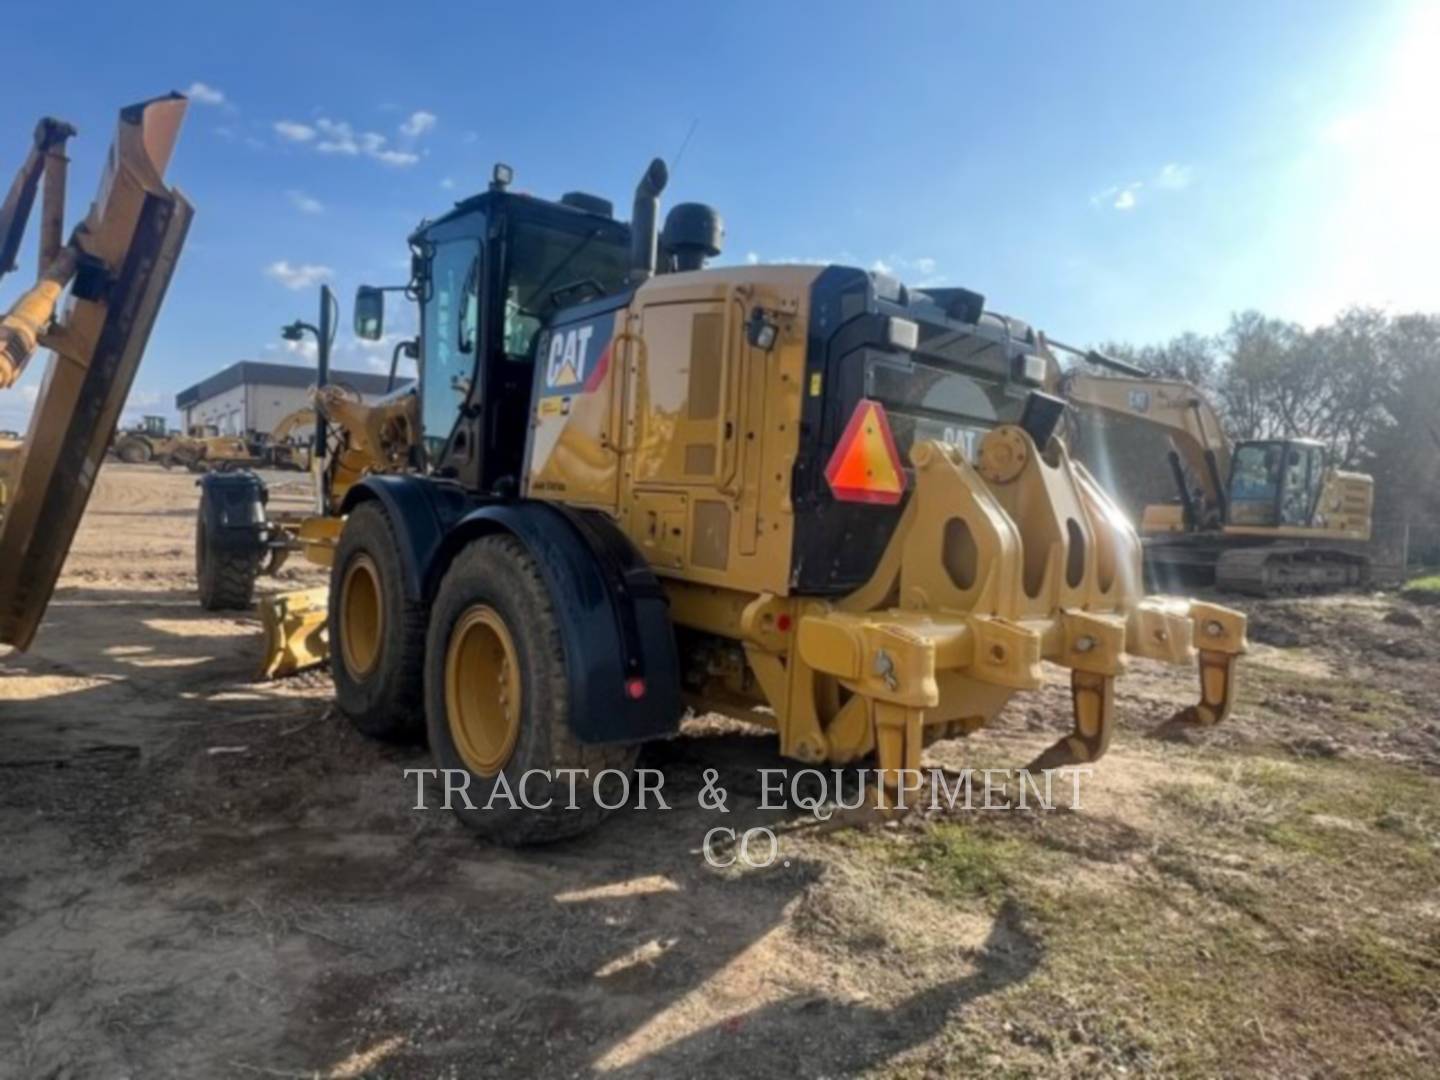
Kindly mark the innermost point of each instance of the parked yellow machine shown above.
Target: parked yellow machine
(149, 440)
(809, 497)
(112, 274)
(1265, 516)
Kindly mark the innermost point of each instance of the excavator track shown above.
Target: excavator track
(1281, 570)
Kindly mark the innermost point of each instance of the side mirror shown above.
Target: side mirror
(369, 313)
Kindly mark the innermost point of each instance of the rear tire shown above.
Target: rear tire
(377, 637)
(133, 452)
(494, 589)
(225, 577)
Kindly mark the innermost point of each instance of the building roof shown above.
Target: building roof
(255, 373)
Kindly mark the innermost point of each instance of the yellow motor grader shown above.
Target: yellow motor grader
(111, 274)
(627, 484)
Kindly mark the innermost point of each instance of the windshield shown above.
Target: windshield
(1256, 473)
(552, 268)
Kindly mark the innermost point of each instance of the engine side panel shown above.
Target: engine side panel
(663, 415)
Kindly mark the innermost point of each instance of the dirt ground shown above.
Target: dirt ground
(202, 875)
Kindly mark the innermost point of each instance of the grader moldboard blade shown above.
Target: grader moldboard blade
(295, 637)
(117, 266)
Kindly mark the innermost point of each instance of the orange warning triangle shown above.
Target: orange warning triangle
(865, 466)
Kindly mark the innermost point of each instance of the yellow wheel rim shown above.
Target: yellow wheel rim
(482, 690)
(362, 615)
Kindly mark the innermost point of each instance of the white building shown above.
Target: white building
(252, 396)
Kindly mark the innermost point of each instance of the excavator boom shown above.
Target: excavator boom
(1175, 407)
(116, 266)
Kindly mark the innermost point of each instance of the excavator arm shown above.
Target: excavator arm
(116, 267)
(1183, 413)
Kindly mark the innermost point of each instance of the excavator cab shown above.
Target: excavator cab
(1276, 482)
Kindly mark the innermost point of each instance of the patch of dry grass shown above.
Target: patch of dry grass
(1267, 924)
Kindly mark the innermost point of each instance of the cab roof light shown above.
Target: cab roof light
(902, 333)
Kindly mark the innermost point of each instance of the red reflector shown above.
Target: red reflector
(865, 466)
(635, 688)
(782, 623)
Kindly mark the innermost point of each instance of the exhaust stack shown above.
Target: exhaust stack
(643, 235)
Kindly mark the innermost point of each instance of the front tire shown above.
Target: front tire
(377, 636)
(133, 452)
(497, 698)
(225, 576)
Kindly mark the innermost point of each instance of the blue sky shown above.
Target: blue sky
(1103, 170)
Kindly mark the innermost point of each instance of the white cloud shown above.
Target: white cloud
(880, 266)
(337, 137)
(924, 264)
(298, 277)
(306, 204)
(751, 257)
(305, 348)
(1174, 177)
(448, 184)
(419, 123)
(202, 94)
(290, 131)
(1118, 196)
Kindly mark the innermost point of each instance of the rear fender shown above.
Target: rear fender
(615, 617)
(616, 622)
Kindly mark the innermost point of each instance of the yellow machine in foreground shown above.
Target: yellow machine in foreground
(1264, 517)
(112, 274)
(809, 497)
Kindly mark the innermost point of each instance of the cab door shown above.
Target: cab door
(449, 332)
(1304, 471)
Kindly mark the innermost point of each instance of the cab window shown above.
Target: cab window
(450, 326)
(1256, 473)
(552, 268)
(1304, 466)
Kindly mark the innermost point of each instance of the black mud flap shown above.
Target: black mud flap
(232, 506)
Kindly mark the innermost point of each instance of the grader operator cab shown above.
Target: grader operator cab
(1265, 516)
(808, 497)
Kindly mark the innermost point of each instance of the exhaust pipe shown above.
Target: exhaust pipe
(643, 235)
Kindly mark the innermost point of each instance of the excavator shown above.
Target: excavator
(1263, 517)
(93, 304)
